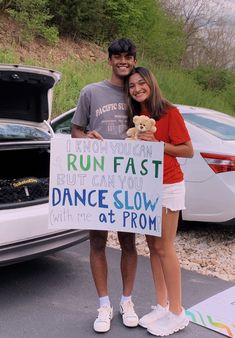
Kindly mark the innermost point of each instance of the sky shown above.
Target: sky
(231, 2)
(230, 6)
(229, 10)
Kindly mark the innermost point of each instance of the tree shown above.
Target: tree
(214, 79)
(195, 15)
(79, 18)
(4, 4)
(219, 46)
(33, 17)
(156, 35)
(164, 39)
(208, 37)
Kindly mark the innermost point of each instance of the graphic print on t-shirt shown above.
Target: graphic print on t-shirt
(102, 107)
(113, 119)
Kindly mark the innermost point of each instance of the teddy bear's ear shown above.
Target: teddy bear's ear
(135, 118)
(153, 128)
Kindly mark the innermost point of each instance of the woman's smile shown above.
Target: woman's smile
(138, 88)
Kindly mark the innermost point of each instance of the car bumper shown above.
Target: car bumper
(35, 247)
(21, 224)
(212, 200)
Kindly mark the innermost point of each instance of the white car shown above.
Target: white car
(25, 134)
(210, 174)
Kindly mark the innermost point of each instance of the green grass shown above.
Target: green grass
(75, 75)
(8, 56)
(178, 86)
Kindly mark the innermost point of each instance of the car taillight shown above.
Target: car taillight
(219, 163)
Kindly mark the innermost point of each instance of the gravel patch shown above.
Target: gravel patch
(205, 249)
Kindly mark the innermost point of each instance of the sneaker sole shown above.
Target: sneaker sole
(183, 325)
(143, 325)
(129, 325)
(101, 331)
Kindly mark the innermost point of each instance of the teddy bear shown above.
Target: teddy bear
(142, 123)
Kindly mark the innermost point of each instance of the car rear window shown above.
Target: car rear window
(14, 132)
(222, 127)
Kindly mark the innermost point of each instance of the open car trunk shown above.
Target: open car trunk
(24, 175)
(25, 109)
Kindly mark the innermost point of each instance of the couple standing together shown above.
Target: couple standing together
(105, 110)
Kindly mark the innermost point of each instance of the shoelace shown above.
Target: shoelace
(154, 307)
(128, 308)
(103, 312)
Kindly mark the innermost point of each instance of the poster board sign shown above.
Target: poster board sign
(106, 185)
(216, 313)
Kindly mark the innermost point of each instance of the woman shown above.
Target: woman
(144, 97)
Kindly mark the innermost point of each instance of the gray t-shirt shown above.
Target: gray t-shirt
(101, 107)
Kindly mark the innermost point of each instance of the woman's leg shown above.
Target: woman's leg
(158, 276)
(165, 262)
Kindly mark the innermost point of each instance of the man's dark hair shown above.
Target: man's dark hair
(122, 45)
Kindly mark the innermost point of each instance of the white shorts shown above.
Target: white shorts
(173, 197)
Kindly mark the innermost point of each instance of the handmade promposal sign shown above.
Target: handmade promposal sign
(216, 313)
(106, 185)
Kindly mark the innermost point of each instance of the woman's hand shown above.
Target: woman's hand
(146, 136)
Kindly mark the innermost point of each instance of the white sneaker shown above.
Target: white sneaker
(156, 313)
(168, 324)
(129, 317)
(103, 320)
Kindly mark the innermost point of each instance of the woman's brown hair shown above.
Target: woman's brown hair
(156, 104)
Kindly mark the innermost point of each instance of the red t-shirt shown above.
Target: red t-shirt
(171, 128)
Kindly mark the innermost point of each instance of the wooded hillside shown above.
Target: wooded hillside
(187, 42)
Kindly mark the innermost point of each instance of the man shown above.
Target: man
(101, 114)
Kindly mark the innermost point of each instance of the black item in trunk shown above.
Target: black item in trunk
(24, 176)
(22, 190)
(24, 162)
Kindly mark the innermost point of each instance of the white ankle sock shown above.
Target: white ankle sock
(125, 299)
(104, 300)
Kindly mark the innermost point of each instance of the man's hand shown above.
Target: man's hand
(78, 132)
(94, 134)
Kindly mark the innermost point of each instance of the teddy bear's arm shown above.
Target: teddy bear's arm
(131, 132)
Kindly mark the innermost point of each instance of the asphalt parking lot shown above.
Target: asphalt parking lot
(54, 297)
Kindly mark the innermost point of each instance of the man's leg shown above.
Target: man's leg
(128, 271)
(98, 261)
(128, 261)
(99, 271)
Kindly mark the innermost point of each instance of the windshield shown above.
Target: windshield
(64, 126)
(221, 127)
(15, 132)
